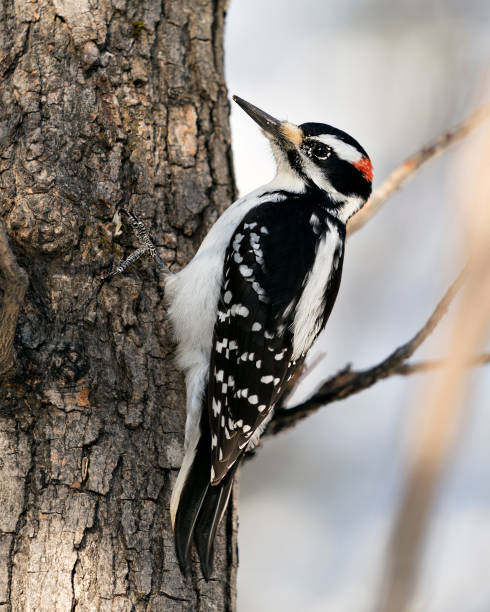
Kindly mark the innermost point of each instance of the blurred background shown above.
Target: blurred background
(317, 503)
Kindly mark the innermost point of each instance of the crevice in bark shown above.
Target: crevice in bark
(22, 518)
(14, 282)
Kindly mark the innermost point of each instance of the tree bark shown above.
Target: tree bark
(103, 104)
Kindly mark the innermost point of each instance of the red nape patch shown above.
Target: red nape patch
(365, 166)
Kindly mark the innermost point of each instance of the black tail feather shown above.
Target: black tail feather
(209, 518)
(200, 506)
(191, 500)
(186, 518)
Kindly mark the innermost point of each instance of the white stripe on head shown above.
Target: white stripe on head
(343, 150)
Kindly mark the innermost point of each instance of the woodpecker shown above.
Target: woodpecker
(249, 305)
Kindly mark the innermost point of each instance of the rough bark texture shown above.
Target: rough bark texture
(103, 104)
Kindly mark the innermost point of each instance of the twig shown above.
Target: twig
(347, 382)
(400, 175)
(407, 369)
(14, 281)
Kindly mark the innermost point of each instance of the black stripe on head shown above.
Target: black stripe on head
(294, 160)
(347, 179)
(319, 129)
(343, 175)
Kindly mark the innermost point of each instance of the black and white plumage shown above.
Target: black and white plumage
(247, 308)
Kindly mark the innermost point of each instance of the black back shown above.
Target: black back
(266, 266)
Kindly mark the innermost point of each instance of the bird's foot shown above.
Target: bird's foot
(147, 246)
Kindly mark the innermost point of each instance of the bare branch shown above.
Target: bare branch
(400, 175)
(347, 382)
(14, 281)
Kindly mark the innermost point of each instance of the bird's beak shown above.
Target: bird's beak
(286, 134)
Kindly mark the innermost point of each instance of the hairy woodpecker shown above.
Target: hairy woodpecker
(247, 308)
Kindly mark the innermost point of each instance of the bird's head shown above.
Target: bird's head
(316, 156)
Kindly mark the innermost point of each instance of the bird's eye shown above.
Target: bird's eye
(320, 150)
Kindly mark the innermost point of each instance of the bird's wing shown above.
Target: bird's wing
(265, 269)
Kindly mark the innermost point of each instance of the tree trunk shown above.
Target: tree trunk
(103, 104)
